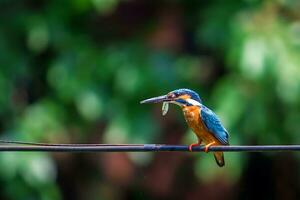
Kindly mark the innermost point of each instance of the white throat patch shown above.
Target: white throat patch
(193, 102)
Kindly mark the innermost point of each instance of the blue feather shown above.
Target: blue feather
(192, 93)
(213, 125)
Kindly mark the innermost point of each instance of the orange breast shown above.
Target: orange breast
(192, 117)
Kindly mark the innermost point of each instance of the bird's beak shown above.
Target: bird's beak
(159, 99)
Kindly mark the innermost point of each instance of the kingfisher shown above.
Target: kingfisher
(203, 121)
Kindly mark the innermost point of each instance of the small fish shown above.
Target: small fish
(165, 108)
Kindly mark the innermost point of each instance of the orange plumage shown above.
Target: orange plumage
(192, 115)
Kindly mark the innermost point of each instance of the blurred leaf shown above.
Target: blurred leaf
(90, 105)
(41, 120)
(105, 6)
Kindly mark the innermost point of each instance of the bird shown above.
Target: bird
(202, 120)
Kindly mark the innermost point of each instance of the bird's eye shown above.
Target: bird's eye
(172, 95)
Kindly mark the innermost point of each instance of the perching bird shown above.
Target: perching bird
(204, 122)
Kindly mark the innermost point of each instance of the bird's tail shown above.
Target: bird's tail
(219, 156)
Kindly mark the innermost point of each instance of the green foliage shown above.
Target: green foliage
(70, 66)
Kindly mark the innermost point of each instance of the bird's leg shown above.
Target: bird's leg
(194, 144)
(207, 146)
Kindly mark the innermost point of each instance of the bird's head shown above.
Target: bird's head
(181, 97)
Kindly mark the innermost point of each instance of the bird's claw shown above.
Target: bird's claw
(207, 146)
(194, 144)
(206, 149)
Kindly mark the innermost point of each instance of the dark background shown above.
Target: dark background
(75, 72)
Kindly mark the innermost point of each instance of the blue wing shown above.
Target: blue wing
(213, 125)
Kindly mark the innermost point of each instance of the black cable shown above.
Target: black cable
(56, 144)
(142, 148)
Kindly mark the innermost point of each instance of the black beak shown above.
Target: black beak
(159, 99)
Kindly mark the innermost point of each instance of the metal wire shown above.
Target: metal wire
(142, 148)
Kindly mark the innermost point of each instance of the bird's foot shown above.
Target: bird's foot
(194, 144)
(207, 146)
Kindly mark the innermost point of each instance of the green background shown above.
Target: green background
(75, 72)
